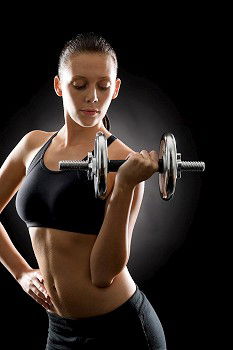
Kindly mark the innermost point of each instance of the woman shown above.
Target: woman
(81, 243)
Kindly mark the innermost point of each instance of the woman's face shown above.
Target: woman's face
(88, 82)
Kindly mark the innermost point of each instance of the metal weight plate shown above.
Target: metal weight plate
(101, 162)
(168, 154)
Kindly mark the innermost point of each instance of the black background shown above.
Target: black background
(184, 64)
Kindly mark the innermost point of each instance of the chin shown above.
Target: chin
(88, 123)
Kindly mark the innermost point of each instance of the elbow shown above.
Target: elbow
(103, 278)
(106, 281)
(102, 283)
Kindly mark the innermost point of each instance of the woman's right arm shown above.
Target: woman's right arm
(12, 172)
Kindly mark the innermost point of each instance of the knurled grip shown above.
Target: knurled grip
(192, 166)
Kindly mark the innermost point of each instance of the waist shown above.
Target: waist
(64, 262)
(130, 306)
(74, 296)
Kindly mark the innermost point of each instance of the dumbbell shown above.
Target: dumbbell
(98, 165)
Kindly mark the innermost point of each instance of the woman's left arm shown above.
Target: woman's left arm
(111, 250)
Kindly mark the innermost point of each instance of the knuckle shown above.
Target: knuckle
(35, 291)
(42, 295)
(135, 159)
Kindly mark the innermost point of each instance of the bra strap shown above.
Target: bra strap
(110, 139)
(40, 153)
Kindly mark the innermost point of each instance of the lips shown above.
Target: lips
(90, 110)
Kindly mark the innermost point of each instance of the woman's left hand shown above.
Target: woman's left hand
(139, 166)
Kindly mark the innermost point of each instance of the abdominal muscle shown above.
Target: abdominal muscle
(64, 262)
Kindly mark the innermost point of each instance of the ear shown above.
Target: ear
(57, 85)
(117, 88)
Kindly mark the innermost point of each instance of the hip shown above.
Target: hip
(134, 324)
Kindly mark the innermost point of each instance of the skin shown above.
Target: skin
(81, 86)
(92, 91)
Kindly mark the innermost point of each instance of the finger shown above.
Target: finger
(40, 286)
(144, 153)
(40, 278)
(130, 155)
(154, 155)
(151, 158)
(41, 289)
(39, 293)
(154, 160)
(38, 299)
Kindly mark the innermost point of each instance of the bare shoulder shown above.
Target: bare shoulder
(13, 169)
(24, 145)
(36, 137)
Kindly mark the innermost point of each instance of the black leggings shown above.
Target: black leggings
(133, 325)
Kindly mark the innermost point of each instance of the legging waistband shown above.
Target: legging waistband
(130, 306)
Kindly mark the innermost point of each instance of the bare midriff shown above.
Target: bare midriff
(64, 257)
(64, 262)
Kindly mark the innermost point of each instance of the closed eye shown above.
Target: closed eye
(104, 87)
(83, 87)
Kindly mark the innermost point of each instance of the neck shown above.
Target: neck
(72, 134)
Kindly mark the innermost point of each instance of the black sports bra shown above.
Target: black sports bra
(60, 199)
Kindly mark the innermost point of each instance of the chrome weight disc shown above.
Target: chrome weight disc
(101, 163)
(168, 176)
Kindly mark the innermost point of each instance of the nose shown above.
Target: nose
(91, 96)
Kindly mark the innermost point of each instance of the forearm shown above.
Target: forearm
(110, 252)
(10, 257)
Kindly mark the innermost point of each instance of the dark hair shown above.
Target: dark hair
(87, 42)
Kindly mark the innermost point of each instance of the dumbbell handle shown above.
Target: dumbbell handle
(192, 166)
(113, 165)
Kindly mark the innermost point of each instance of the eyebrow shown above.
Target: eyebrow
(80, 76)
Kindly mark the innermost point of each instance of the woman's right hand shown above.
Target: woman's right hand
(139, 166)
(32, 283)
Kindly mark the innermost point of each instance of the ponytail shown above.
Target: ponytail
(106, 122)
